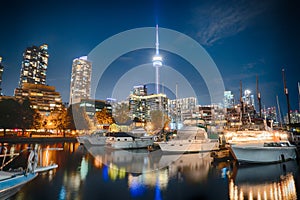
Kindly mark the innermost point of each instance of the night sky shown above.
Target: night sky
(244, 38)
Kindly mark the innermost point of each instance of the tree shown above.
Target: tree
(9, 114)
(70, 124)
(104, 117)
(77, 118)
(159, 120)
(121, 115)
(59, 120)
(37, 120)
(26, 116)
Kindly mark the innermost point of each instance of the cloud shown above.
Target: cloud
(222, 19)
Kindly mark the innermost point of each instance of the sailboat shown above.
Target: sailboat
(12, 181)
(266, 146)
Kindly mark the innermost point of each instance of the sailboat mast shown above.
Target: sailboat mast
(286, 92)
(241, 98)
(299, 95)
(279, 113)
(258, 96)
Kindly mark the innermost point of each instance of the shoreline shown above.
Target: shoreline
(36, 139)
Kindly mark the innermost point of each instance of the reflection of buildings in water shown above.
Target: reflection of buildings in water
(71, 147)
(132, 161)
(72, 181)
(47, 156)
(283, 189)
(151, 166)
(194, 167)
(84, 168)
(274, 181)
(150, 179)
(70, 186)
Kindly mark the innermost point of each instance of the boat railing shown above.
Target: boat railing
(4, 155)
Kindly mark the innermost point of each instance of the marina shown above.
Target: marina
(98, 172)
(152, 100)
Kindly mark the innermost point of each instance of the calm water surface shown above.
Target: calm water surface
(100, 173)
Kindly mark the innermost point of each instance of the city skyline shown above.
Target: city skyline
(245, 39)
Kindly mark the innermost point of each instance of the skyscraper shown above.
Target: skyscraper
(32, 85)
(34, 65)
(228, 99)
(80, 87)
(157, 62)
(1, 72)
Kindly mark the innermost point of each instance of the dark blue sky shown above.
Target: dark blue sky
(244, 38)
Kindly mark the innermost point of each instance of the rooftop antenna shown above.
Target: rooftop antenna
(299, 95)
(286, 92)
(241, 98)
(258, 96)
(279, 113)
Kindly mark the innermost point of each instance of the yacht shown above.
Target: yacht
(97, 138)
(264, 152)
(192, 137)
(126, 140)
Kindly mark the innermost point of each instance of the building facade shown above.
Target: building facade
(141, 104)
(91, 106)
(1, 73)
(34, 65)
(181, 109)
(32, 84)
(80, 87)
(42, 97)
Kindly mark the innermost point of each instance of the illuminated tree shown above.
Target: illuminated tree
(37, 120)
(59, 120)
(121, 115)
(159, 120)
(104, 117)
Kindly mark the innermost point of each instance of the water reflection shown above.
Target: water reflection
(274, 181)
(108, 174)
(146, 169)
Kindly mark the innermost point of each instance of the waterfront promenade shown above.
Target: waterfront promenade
(37, 139)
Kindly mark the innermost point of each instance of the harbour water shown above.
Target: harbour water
(98, 173)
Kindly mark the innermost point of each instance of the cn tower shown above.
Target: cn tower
(157, 62)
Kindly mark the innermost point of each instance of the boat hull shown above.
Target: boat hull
(11, 186)
(92, 140)
(96, 140)
(182, 146)
(135, 144)
(260, 154)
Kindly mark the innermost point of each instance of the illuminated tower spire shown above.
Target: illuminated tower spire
(157, 62)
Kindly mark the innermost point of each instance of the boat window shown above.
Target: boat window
(125, 139)
(118, 139)
(284, 144)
